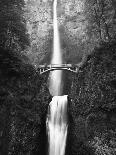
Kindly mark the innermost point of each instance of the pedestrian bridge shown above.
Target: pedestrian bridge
(69, 67)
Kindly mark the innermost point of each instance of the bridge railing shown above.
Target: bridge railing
(58, 66)
(70, 67)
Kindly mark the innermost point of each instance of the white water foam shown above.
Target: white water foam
(57, 125)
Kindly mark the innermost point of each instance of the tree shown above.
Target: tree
(12, 25)
(101, 16)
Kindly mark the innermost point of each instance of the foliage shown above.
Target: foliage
(94, 86)
(23, 93)
(102, 146)
(39, 24)
(24, 98)
(102, 20)
(93, 98)
(12, 25)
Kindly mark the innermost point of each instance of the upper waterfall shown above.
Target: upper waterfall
(56, 58)
(55, 77)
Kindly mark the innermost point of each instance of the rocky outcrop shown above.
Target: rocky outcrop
(93, 102)
(24, 98)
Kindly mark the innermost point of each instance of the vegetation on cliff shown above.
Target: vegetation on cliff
(93, 101)
(23, 93)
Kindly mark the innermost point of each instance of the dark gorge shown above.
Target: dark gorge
(24, 93)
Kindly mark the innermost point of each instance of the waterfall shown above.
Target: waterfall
(55, 82)
(56, 122)
(57, 125)
(56, 58)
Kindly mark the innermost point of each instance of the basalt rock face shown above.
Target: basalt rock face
(83, 25)
(92, 110)
(23, 117)
(24, 98)
(72, 25)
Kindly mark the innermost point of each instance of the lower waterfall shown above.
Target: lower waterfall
(57, 125)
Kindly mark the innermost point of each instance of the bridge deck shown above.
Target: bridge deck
(59, 66)
(70, 67)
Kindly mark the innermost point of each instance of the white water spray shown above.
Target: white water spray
(56, 58)
(56, 76)
(57, 125)
(56, 122)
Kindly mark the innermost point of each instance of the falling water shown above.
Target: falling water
(57, 125)
(56, 122)
(55, 77)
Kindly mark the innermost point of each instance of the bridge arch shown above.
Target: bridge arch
(52, 69)
(69, 67)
